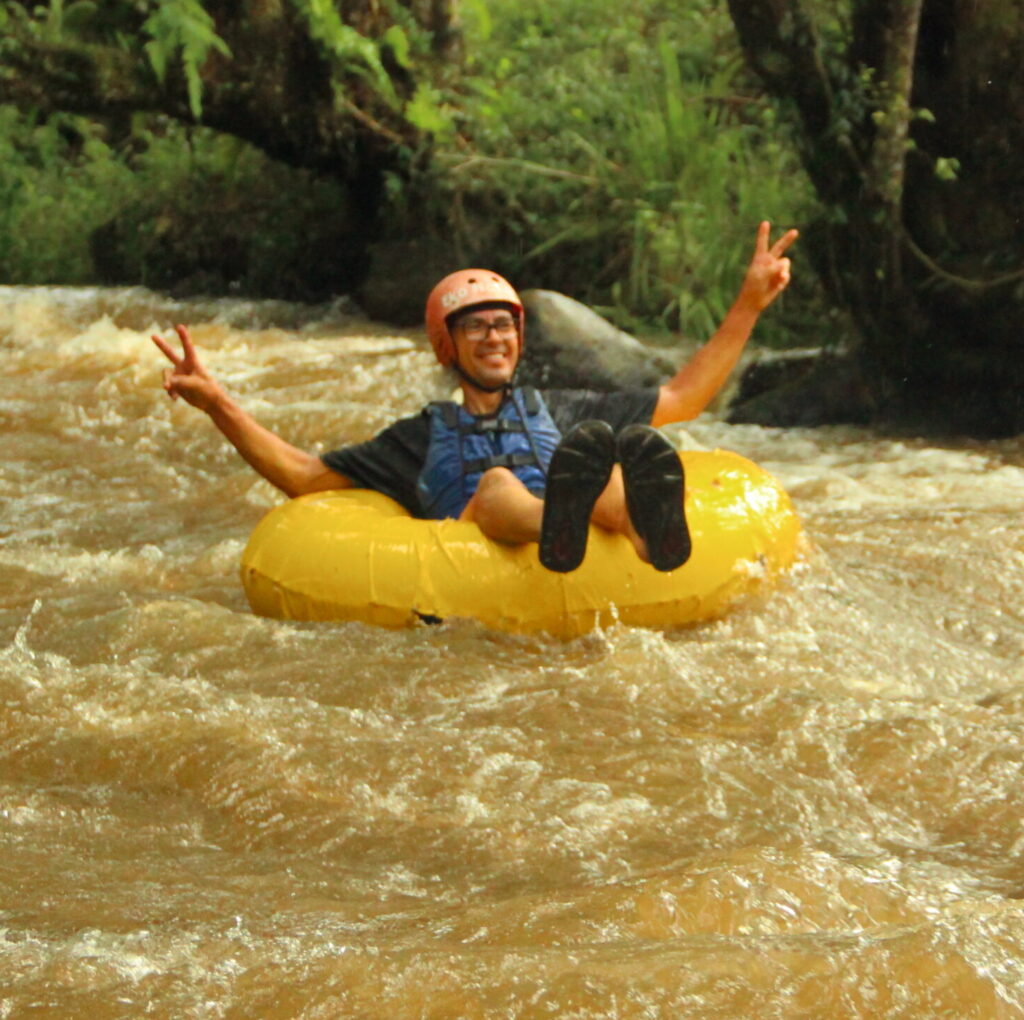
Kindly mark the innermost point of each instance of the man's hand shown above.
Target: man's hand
(768, 273)
(188, 378)
(694, 386)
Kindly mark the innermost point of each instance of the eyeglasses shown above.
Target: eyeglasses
(479, 329)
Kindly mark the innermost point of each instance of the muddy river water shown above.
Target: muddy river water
(813, 807)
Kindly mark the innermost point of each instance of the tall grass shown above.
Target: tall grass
(636, 156)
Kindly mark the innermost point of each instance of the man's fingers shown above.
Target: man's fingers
(168, 379)
(186, 343)
(167, 349)
(784, 242)
(763, 232)
(188, 360)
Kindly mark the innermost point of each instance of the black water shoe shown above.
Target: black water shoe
(653, 477)
(579, 471)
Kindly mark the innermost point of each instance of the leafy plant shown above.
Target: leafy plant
(350, 49)
(635, 158)
(57, 177)
(616, 153)
(185, 26)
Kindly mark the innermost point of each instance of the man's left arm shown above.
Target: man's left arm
(694, 386)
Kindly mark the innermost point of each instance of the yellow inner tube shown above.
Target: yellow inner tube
(353, 554)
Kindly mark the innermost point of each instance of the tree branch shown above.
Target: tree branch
(887, 168)
(781, 44)
(279, 90)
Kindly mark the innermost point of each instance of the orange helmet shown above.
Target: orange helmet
(464, 289)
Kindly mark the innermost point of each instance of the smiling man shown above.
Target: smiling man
(525, 465)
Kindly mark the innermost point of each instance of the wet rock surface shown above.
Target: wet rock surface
(570, 345)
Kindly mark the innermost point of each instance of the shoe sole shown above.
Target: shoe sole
(655, 486)
(577, 475)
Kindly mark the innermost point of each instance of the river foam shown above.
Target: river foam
(811, 807)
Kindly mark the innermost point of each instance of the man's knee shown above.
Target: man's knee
(493, 486)
(500, 502)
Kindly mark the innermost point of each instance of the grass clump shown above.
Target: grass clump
(633, 155)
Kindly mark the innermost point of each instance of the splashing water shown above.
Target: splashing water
(812, 807)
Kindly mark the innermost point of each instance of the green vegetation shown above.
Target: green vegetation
(635, 155)
(622, 156)
(183, 26)
(57, 182)
(157, 204)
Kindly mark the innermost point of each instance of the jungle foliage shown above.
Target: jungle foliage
(909, 118)
(184, 210)
(622, 155)
(624, 158)
(626, 153)
(203, 144)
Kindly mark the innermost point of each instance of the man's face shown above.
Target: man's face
(487, 343)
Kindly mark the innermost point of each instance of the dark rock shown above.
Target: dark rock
(768, 370)
(569, 345)
(804, 388)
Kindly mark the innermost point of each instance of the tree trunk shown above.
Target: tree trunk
(283, 88)
(923, 236)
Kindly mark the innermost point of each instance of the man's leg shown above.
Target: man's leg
(641, 497)
(504, 509)
(612, 513)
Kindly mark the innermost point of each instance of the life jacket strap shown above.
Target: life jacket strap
(531, 398)
(450, 415)
(493, 425)
(508, 460)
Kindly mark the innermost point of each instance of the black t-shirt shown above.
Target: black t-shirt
(391, 462)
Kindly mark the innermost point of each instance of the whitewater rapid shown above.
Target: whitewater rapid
(813, 807)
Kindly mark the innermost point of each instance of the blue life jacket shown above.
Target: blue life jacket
(522, 436)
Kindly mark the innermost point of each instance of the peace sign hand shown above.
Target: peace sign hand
(188, 378)
(768, 273)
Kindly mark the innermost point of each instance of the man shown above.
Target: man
(525, 466)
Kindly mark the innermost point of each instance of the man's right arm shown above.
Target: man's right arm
(292, 470)
(694, 386)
